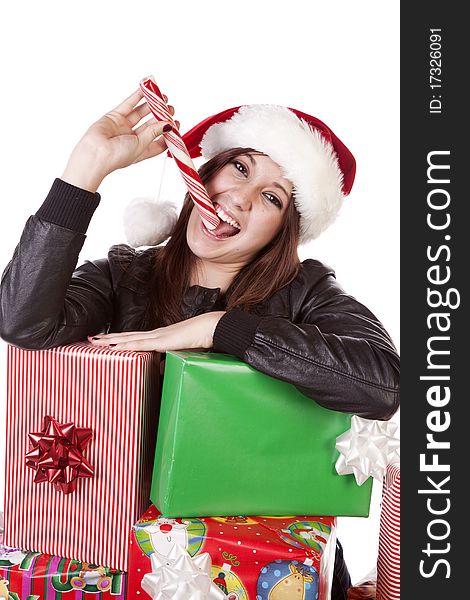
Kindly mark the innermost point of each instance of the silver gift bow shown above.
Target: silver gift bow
(367, 448)
(180, 577)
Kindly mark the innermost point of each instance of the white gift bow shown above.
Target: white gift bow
(180, 577)
(367, 448)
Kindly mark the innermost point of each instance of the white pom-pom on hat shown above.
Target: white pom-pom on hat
(147, 222)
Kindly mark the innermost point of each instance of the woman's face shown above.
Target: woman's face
(252, 191)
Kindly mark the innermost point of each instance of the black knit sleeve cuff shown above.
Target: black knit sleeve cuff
(69, 206)
(235, 332)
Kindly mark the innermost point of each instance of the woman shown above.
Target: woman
(276, 177)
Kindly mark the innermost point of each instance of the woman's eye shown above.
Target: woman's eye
(273, 199)
(240, 166)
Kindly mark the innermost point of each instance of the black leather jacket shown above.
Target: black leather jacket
(310, 333)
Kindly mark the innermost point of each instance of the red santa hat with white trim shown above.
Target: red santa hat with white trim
(310, 155)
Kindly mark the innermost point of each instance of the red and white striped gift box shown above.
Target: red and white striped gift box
(116, 394)
(388, 564)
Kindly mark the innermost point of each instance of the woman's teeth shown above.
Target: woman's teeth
(220, 212)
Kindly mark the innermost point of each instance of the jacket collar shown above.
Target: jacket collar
(198, 300)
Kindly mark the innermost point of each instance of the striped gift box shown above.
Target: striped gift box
(116, 394)
(388, 564)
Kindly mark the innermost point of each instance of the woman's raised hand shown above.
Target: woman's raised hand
(114, 142)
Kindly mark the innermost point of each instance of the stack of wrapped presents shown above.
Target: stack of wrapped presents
(218, 482)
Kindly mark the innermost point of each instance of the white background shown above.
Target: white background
(66, 64)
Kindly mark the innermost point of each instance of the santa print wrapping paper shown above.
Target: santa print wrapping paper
(34, 576)
(388, 564)
(253, 558)
(116, 394)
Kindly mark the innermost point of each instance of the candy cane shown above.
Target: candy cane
(179, 152)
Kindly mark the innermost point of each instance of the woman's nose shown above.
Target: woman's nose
(244, 198)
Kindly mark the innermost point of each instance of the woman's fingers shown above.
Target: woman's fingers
(161, 343)
(135, 113)
(138, 113)
(150, 130)
(139, 346)
(106, 338)
(134, 340)
(152, 121)
(142, 111)
(129, 103)
(126, 335)
(154, 148)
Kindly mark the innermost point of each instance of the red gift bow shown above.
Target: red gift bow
(56, 454)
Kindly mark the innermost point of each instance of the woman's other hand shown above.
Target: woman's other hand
(192, 334)
(114, 142)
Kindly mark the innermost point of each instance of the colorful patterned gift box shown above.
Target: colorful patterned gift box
(253, 558)
(34, 576)
(81, 425)
(233, 441)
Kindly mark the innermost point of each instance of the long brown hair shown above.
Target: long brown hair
(275, 265)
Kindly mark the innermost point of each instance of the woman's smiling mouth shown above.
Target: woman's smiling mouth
(223, 232)
(227, 228)
(225, 216)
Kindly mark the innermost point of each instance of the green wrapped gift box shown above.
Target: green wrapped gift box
(234, 441)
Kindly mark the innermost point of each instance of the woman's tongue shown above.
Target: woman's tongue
(225, 230)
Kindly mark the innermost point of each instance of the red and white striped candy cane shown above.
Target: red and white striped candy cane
(179, 152)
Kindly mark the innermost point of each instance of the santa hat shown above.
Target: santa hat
(310, 155)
